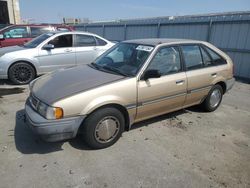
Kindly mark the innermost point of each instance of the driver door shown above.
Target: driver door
(157, 96)
(62, 56)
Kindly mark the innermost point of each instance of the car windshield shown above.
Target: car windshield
(38, 40)
(124, 58)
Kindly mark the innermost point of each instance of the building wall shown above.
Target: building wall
(228, 31)
(14, 11)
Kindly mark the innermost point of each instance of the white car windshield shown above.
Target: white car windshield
(124, 58)
(38, 40)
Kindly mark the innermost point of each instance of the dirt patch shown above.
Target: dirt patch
(175, 122)
(10, 91)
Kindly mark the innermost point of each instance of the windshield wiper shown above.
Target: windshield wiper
(114, 70)
(94, 65)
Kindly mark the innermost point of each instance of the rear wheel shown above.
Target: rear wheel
(103, 127)
(21, 73)
(213, 99)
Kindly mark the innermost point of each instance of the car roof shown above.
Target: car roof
(55, 25)
(72, 32)
(157, 41)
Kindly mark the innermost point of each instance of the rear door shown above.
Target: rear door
(86, 50)
(62, 56)
(17, 35)
(200, 73)
(160, 95)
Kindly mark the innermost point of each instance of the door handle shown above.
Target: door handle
(214, 75)
(179, 82)
(68, 50)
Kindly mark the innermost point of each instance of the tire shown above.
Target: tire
(213, 99)
(100, 125)
(21, 73)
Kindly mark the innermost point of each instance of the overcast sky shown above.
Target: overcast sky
(42, 11)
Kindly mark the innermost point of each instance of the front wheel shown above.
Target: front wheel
(21, 73)
(213, 99)
(103, 127)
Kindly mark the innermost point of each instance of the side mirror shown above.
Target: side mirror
(151, 74)
(1, 37)
(48, 47)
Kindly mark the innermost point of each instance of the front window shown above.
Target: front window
(62, 41)
(124, 58)
(166, 61)
(38, 40)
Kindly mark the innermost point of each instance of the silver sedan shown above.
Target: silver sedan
(49, 52)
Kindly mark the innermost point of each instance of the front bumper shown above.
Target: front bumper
(230, 83)
(52, 130)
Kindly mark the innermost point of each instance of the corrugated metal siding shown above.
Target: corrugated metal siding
(114, 33)
(229, 31)
(96, 30)
(137, 32)
(198, 32)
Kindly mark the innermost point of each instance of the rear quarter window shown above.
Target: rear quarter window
(216, 58)
(100, 42)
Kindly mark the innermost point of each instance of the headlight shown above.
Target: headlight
(49, 112)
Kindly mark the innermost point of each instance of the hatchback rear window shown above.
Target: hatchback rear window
(36, 31)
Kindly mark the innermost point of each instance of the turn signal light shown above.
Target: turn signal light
(58, 112)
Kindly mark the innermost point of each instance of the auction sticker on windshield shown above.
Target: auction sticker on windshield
(145, 48)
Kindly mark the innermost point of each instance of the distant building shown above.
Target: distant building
(75, 20)
(9, 12)
(71, 20)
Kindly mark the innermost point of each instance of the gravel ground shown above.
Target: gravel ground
(187, 148)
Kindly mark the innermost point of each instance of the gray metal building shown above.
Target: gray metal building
(228, 31)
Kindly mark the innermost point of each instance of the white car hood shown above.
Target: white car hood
(5, 50)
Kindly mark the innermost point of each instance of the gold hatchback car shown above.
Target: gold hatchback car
(133, 81)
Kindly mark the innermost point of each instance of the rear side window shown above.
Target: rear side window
(192, 57)
(216, 59)
(84, 40)
(63, 41)
(166, 61)
(100, 42)
(36, 31)
(16, 32)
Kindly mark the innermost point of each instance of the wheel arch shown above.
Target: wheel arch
(121, 108)
(223, 85)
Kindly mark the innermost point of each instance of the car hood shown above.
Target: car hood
(5, 50)
(66, 82)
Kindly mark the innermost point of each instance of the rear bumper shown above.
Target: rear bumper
(230, 83)
(52, 130)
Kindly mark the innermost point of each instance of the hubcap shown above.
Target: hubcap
(215, 98)
(107, 129)
(22, 74)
